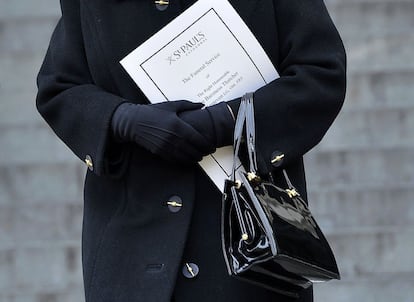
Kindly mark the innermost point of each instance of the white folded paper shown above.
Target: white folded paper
(207, 54)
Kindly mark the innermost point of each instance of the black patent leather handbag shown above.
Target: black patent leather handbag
(269, 236)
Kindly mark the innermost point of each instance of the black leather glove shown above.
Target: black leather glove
(158, 128)
(215, 123)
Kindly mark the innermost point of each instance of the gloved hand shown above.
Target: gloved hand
(215, 123)
(158, 128)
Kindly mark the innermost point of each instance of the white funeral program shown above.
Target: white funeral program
(207, 54)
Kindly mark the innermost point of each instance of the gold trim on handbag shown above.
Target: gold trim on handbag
(269, 236)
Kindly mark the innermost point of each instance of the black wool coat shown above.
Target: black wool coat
(132, 244)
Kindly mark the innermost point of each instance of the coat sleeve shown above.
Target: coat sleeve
(294, 112)
(78, 111)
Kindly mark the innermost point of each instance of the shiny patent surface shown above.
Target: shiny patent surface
(269, 236)
(284, 245)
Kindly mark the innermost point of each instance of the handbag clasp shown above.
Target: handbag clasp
(292, 193)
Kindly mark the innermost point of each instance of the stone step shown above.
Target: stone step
(38, 244)
(29, 270)
(377, 54)
(43, 8)
(30, 273)
(69, 295)
(325, 166)
(382, 207)
(19, 110)
(18, 73)
(7, 269)
(353, 130)
(26, 35)
(360, 168)
(372, 63)
(372, 255)
(382, 128)
(365, 85)
(381, 54)
(377, 91)
(20, 225)
(393, 288)
(340, 187)
(366, 19)
(28, 9)
(34, 145)
(357, 211)
(34, 32)
(330, 166)
(381, 89)
(40, 183)
(349, 16)
(74, 292)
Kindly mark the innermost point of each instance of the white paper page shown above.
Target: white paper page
(207, 55)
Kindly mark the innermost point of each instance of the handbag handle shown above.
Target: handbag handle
(238, 134)
(245, 117)
(251, 134)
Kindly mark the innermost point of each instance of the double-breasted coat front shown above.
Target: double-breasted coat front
(134, 245)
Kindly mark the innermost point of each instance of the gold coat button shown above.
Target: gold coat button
(277, 159)
(175, 204)
(89, 162)
(190, 270)
(161, 5)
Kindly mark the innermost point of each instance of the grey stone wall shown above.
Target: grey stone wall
(360, 177)
(40, 180)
